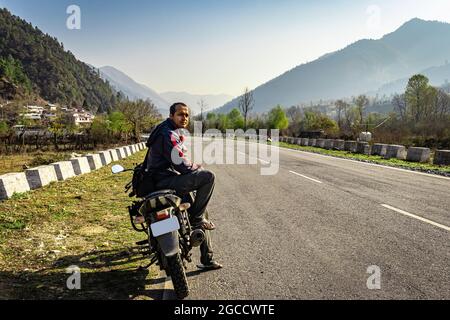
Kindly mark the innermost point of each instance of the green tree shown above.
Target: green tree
(99, 129)
(418, 97)
(235, 120)
(277, 118)
(118, 124)
(222, 122)
(4, 128)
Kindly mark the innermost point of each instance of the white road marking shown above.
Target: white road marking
(370, 164)
(263, 161)
(416, 217)
(363, 163)
(301, 175)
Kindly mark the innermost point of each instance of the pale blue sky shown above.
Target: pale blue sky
(211, 47)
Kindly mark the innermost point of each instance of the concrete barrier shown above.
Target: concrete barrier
(113, 154)
(320, 143)
(105, 157)
(305, 142)
(395, 151)
(379, 149)
(298, 141)
(130, 150)
(95, 162)
(120, 153)
(363, 147)
(328, 144)
(418, 154)
(312, 142)
(40, 176)
(80, 165)
(11, 183)
(339, 144)
(64, 170)
(350, 146)
(442, 157)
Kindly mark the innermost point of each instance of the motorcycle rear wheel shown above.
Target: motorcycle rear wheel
(179, 280)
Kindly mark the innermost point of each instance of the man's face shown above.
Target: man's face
(181, 117)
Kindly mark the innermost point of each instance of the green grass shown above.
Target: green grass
(82, 221)
(424, 167)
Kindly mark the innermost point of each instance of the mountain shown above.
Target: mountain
(363, 66)
(437, 76)
(36, 62)
(192, 100)
(130, 88)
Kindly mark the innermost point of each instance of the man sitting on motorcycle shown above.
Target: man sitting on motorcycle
(171, 169)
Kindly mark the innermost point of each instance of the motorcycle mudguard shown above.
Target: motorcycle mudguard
(169, 243)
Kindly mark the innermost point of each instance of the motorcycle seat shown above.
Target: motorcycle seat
(159, 193)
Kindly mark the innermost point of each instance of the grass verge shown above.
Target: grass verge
(82, 221)
(415, 166)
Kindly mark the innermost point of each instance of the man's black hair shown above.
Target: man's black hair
(173, 108)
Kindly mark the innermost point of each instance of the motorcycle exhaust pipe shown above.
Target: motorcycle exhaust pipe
(197, 237)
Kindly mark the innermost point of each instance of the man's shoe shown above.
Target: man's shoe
(213, 265)
(205, 225)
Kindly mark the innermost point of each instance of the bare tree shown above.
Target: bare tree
(139, 114)
(399, 103)
(246, 104)
(341, 107)
(202, 104)
(361, 103)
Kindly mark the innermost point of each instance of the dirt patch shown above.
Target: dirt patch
(91, 230)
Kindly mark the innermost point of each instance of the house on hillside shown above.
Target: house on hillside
(82, 117)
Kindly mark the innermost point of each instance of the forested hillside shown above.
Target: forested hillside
(33, 61)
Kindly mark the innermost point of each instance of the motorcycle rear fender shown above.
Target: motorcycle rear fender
(169, 243)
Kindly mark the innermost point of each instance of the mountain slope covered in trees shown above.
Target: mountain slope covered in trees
(361, 67)
(53, 73)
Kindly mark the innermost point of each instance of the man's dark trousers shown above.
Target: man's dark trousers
(201, 181)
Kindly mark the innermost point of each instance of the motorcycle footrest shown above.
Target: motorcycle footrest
(142, 243)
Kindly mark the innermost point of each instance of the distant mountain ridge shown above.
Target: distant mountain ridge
(192, 100)
(361, 67)
(130, 88)
(133, 90)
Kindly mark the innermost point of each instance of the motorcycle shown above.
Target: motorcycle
(163, 216)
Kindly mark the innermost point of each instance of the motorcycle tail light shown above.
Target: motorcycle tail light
(162, 215)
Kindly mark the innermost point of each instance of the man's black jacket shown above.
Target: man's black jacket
(167, 153)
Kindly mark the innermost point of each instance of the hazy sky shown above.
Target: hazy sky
(211, 47)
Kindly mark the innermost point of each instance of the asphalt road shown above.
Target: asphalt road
(312, 230)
